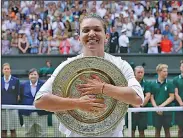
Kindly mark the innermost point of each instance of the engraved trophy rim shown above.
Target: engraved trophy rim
(81, 122)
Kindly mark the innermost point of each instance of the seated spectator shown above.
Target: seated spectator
(65, 45)
(5, 45)
(68, 28)
(177, 44)
(75, 44)
(14, 44)
(166, 45)
(53, 45)
(47, 70)
(75, 24)
(43, 47)
(40, 39)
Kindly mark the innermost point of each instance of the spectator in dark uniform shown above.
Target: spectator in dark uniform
(162, 94)
(10, 87)
(178, 82)
(140, 119)
(113, 40)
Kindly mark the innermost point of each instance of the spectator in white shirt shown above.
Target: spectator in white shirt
(57, 25)
(147, 36)
(149, 20)
(138, 8)
(123, 42)
(75, 44)
(128, 26)
(102, 11)
(152, 44)
(11, 24)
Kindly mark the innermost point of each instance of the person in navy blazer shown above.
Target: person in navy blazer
(35, 121)
(10, 88)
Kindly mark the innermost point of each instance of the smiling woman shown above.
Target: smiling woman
(92, 37)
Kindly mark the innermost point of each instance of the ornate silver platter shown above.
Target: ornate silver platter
(87, 123)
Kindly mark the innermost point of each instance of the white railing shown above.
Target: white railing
(147, 109)
(130, 110)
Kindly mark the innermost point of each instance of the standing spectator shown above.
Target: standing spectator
(177, 44)
(147, 36)
(166, 45)
(123, 42)
(34, 44)
(43, 47)
(53, 45)
(10, 90)
(113, 40)
(75, 24)
(159, 38)
(35, 121)
(152, 44)
(14, 44)
(5, 45)
(162, 94)
(149, 20)
(178, 82)
(140, 119)
(58, 25)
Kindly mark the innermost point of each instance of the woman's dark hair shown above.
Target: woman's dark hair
(32, 70)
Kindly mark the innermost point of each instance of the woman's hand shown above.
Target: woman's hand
(91, 104)
(92, 86)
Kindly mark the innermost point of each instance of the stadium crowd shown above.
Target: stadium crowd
(52, 27)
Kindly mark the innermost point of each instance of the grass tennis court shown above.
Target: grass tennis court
(150, 132)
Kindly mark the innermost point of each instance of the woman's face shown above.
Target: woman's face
(92, 34)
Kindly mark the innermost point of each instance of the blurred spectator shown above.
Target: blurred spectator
(140, 118)
(53, 45)
(23, 43)
(58, 25)
(35, 121)
(10, 95)
(149, 20)
(68, 28)
(164, 23)
(152, 44)
(128, 26)
(14, 44)
(65, 46)
(162, 95)
(5, 45)
(168, 33)
(33, 44)
(113, 40)
(147, 36)
(178, 82)
(76, 46)
(75, 24)
(177, 44)
(47, 70)
(43, 47)
(166, 45)
(159, 38)
(123, 42)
